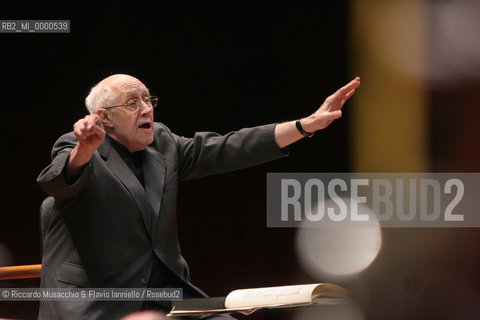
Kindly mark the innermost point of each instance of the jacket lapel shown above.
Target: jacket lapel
(128, 179)
(154, 167)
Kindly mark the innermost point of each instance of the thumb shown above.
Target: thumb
(330, 117)
(333, 115)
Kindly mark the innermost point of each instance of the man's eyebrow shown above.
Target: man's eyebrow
(134, 93)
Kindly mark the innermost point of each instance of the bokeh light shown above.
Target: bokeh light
(338, 252)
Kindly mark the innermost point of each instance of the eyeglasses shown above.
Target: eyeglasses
(134, 104)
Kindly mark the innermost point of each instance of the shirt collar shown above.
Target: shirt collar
(122, 150)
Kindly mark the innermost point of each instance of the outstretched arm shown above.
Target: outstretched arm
(287, 133)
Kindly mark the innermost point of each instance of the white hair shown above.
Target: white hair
(99, 96)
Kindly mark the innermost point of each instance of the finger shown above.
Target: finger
(329, 117)
(92, 121)
(343, 91)
(335, 114)
(88, 123)
(99, 123)
(78, 132)
(98, 130)
(87, 129)
(94, 118)
(332, 115)
(348, 95)
(84, 133)
(79, 126)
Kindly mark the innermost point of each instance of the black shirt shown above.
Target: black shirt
(133, 160)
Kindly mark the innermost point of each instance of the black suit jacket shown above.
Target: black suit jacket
(107, 227)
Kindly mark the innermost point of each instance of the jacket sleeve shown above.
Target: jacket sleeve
(52, 178)
(209, 153)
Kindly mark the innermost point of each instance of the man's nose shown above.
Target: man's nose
(145, 108)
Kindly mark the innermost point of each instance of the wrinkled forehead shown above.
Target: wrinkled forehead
(124, 86)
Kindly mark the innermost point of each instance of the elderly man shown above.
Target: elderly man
(114, 180)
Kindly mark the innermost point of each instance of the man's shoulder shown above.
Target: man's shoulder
(67, 136)
(66, 140)
(160, 127)
(162, 132)
(164, 139)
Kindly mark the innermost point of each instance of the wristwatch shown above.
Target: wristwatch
(302, 131)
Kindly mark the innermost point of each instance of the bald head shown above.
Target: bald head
(116, 80)
(106, 91)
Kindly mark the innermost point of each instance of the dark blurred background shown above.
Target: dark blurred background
(223, 65)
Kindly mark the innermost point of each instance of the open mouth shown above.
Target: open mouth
(146, 125)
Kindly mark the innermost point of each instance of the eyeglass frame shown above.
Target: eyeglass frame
(152, 102)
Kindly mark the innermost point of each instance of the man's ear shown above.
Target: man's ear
(105, 117)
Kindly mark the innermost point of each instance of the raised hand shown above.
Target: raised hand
(287, 132)
(90, 133)
(331, 108)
